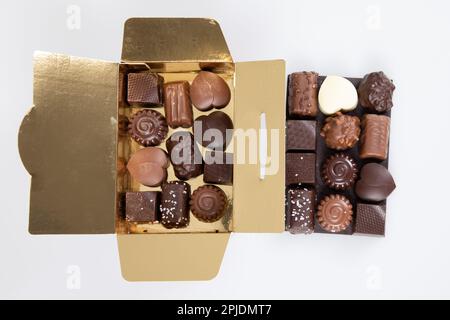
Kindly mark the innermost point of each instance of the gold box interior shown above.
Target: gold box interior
(126, 146)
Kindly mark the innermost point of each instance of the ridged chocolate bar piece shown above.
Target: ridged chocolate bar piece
(177, 104)
(175, 204)
(302, 94)
(300, 205)
(375, 137)
(144, 88)
(184, 155)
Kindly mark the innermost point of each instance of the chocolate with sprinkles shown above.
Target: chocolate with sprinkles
(300, 203)
(175, 204)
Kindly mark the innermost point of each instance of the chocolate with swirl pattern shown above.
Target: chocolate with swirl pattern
(148, 128)
(334, 213)
(339, 171)
(208, 203)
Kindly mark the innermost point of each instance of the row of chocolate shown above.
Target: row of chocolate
(172, 204)
(327, 117)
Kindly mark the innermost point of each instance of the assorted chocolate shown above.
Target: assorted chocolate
(148, 128)
(341, 132)
(375, 137)
(218, 168)
(301, 135)
(337, 179)
(208, 203)
(142, 206)
(144, 88)
(209, 91)
(172, 203)
(300, 204)
(185, 156)
(175, 197)
(177, 105)
(214, 131)
(375, 183)
(302, 94)
(375, 92)
(149, 166)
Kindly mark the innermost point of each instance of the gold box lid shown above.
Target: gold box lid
(160, 40)
(67, 143)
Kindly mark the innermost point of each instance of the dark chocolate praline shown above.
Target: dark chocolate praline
(208, 203)
(339, 171)
(148, 128)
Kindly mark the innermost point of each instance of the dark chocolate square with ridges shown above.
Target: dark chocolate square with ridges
(144, 88)
(218, 168)
(370, 219)
(300, 204)
(301, 135)
(142, 206)
(300, 168)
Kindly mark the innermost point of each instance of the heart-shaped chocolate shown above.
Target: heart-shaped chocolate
(149, 166)
(375, 184)
(215, 130)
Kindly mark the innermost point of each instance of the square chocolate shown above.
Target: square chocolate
(301, 135)
(300, 203)
(144, 88)
(218, 168)
(142, 206)
(370, 219)
(300, 168)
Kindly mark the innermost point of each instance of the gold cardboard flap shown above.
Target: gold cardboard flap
(68, 144)
(171, 257)
(174, 40)
(259, 182)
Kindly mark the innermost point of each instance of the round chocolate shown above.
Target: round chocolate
(339, 171)
(334, 213)
(341, 131)
(148, 127)
(375, 92)
(208, 203)
(149, 166)
(375, 184)
(208, 90)
(215, 139)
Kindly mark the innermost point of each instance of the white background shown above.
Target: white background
(409, 40)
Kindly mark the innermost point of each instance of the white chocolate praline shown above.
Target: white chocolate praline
(337, 94)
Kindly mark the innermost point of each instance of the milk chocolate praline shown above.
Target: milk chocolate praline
(334, 213)
(375, 92)
(341, 131)
(209, 90)
(149, 166)
(339, 171)
(208, 203)
(148, 127)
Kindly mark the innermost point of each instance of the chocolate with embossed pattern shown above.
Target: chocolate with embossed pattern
(177, 104)
(148, 127)
(375, 137)
(301, 135)
(375, 92)
(144, 88)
